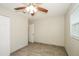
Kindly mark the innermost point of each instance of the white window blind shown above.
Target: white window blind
(75, 29)
(74, 23)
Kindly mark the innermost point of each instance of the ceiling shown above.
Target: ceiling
(54, 9)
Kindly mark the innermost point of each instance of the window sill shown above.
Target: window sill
(75, 37)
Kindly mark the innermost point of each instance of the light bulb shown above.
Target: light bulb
(35, 10)
(31, 9)
(27, 9)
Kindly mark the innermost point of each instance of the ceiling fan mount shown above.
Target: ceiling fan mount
(31, 8)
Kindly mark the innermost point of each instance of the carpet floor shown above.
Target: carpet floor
(38, 49)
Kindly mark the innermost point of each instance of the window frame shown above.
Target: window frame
(71, 18)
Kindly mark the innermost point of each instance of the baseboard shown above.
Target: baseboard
(48, 44)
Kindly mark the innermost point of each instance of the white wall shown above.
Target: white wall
(49, 30)
(4, 36)
(19, 28)
(71, 44)
(19, 36)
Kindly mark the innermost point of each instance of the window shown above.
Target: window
(74, 23)
(75, 29)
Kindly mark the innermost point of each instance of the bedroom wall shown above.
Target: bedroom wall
(49, 30)
(71, 44)
(4, 36)
(18, 28)
(19, 35)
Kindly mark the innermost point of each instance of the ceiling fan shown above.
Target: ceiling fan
(31, 8)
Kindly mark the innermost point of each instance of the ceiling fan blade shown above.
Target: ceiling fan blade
(18, 8)
(42, 9)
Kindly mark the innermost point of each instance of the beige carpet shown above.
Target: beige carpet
(38, 49)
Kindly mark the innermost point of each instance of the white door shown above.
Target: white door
(4, 36)
(31, 33)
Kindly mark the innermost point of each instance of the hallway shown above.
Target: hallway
(39, 49)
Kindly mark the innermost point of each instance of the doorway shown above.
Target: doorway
(31, 33)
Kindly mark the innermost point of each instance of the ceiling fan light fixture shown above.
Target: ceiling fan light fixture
(35, 10)
(31, 9)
